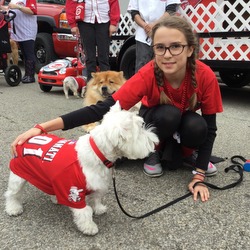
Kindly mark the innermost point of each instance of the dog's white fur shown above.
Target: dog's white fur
(121, 134)
(70, 83)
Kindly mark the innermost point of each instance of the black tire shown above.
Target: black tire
(45, 88)
(128, 62)
(44, 50)
(235, 78)
(13, 75)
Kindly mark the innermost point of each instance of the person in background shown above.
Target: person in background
(171, 88)
(101, 19)
(146, 13)
(24, 31)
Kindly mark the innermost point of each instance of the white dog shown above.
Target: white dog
(74, 83)
(87, 172)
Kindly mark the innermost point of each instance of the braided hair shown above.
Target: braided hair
(179, 23)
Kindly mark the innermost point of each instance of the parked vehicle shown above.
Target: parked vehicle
(54, 39)
(223, 28)
(53, 74)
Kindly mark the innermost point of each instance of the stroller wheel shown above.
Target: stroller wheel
(13, 75)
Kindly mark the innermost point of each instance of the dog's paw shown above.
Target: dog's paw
(100, 209)
(90, 228)
(14, 210)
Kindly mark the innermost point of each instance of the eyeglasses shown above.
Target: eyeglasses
(175, 49)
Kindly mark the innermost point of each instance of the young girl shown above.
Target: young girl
(146, 13)
(171, 88)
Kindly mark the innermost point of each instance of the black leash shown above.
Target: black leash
(239, 157)
(237, 167)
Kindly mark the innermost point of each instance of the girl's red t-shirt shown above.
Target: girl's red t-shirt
(143, 87)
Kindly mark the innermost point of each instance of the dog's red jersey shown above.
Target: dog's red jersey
(80, 81)
(50, 163)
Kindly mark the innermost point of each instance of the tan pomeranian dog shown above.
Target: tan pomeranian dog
(102, 85)
(14, 53)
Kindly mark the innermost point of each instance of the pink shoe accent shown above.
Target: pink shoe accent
(148, 167)
(210, 165)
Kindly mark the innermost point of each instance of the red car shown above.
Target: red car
(54, 73)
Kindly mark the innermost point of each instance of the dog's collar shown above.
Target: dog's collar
(105, 161)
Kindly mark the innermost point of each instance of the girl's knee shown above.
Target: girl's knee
(193, 130)
(167, 119)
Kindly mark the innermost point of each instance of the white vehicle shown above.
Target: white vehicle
(223, 28)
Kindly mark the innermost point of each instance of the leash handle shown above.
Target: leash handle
(233, 159)
(244, 162)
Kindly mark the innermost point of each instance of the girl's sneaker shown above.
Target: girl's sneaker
(190, 162)
(152, 166)
(211, 170)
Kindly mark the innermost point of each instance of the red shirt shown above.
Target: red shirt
(143, 87)
(80, 81)
(50, 163)
(111, 14)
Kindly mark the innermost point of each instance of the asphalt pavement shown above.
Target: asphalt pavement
(222, 223)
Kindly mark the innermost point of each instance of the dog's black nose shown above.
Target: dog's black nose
(104, 89)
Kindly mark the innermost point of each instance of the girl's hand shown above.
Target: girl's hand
(22, 138)
(199, 189)
(38, 129)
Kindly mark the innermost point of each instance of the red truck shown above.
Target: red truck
(223, 28)
(54, 39)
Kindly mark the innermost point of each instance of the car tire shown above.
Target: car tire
(128, 62)
(44, 50)
(235, 78)
(45, 88)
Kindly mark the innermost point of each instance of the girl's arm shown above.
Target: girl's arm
(51, 125)
(71, 120)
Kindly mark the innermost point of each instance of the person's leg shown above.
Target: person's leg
(87, 32)
(166, 119)
(21, 46)
(28, 51)
(144, 53)
(103, 43)
(193, 133)
(193, 130)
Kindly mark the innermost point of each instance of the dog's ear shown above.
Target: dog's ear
(116, 107)
(93, 74)
(121, 74)
(121, 131)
